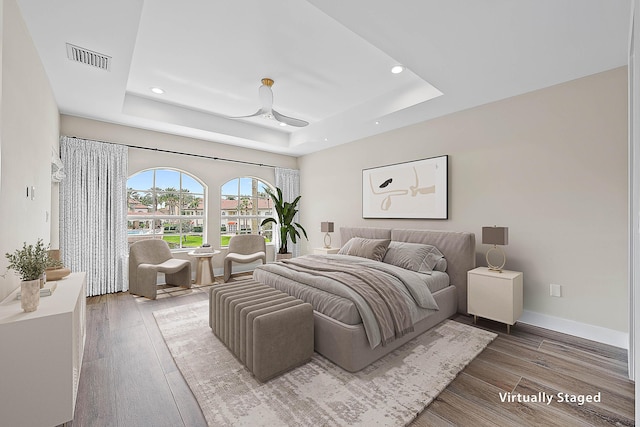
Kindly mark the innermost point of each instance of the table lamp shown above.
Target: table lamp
(496, 236)
(327, 227)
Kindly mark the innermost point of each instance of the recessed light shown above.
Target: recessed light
(397, 69)
(157, 90)
(283, 124)
(377, 122)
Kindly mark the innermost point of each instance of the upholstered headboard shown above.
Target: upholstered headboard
(459, 249)
(347, 233)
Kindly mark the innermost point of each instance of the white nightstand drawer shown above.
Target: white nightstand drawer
(493, 295)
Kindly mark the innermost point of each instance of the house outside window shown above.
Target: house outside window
(166, 204)
(244, 204)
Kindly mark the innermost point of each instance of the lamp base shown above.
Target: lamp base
(493, 267)
(327, 241)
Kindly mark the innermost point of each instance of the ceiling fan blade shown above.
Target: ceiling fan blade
(289, 120)
(260, 112)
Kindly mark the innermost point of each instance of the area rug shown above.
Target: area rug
(390, 392)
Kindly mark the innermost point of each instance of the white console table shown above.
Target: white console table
(41, 355)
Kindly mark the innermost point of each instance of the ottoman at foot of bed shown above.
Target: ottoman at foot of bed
(269, 331)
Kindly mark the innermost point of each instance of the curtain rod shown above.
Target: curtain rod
(202, 156)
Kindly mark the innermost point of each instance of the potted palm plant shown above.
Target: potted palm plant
(289, 229)
(30, 263)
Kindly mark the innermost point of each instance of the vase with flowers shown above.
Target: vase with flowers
(30, 263)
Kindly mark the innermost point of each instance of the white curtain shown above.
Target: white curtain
(93, 208)
(288, 180)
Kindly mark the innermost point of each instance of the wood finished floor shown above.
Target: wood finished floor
(129, 378)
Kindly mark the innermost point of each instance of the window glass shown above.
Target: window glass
(166, 204)
(141, 180)
(244, 204)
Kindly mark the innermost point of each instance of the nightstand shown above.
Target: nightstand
(326, 250)
(495, 295)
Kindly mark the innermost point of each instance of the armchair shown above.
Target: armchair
(244, 249)
(147, 258)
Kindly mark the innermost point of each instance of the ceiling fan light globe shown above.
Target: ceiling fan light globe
(266, 99)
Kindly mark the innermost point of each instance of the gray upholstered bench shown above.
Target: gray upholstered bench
(269, 331)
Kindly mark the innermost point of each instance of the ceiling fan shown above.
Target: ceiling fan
(267, 111)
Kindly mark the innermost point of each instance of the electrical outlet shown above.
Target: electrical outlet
(555, 290)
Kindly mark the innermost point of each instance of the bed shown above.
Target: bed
(342, 322)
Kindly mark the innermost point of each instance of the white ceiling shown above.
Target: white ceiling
(330, 60)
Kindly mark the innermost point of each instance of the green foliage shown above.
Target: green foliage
(30, 261)
(286, 212)
(54, 263)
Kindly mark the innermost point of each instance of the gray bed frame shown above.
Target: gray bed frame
(347, 345)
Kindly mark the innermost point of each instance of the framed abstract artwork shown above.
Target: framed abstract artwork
(416, 189)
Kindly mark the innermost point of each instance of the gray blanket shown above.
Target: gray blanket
(389, 307)
(386, 296)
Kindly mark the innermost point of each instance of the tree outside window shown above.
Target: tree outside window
(244, 203)
(166, 204)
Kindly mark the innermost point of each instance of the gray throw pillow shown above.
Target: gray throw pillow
(365, 248)
(416, 257)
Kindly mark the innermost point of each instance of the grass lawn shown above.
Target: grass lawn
(224, 241)
(193, 241)
(187, 241)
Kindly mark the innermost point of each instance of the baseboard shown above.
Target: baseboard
(578, 329)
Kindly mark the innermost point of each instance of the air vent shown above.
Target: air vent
(89, 57)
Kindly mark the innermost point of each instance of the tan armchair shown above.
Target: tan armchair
(244, 249)
(147, 258)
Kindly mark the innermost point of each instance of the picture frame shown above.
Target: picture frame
(417, 189)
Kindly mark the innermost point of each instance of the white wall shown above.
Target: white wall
(551, 165)
(634, 150)
(29, 123)
(213, 173)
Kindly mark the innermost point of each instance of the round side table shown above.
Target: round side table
(204, 268)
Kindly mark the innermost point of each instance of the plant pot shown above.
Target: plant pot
(280, 256)
(30, 295)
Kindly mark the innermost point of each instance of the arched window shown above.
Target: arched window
(166, 204)
(244, 204)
